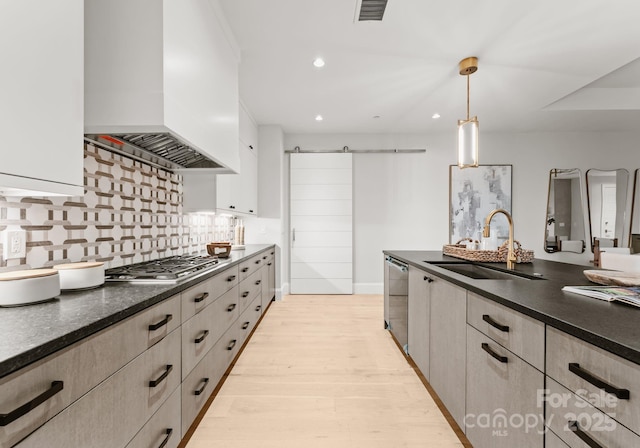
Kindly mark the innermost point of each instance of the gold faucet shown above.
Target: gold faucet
(486, 233)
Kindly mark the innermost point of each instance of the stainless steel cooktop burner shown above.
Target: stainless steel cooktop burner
(164, 270)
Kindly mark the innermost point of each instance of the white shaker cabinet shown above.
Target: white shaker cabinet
(238, 193)
(163, 66)
(41, 86)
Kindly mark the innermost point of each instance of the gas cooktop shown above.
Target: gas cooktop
(172, 269)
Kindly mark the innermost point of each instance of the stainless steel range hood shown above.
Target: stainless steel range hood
(162, 150)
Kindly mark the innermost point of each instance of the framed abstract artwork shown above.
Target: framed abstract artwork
(473, 193)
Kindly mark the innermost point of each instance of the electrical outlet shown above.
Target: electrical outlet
(15, 244)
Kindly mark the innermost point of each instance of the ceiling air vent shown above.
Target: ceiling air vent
(372, 9)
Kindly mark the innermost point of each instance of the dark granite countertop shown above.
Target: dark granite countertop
(29, 333)
(612, 326)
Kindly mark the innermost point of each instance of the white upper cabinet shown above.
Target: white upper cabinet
(238, 193)
(41, 98)
(163, 66)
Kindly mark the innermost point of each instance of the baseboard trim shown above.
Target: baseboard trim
(368, 288)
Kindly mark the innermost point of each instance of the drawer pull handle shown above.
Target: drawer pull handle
(201, 297)
(500, 358)
(259, 307)
(269, 264)
(622, 394)
(205, 381)
(160, 379)
(265, 257)
(245, 269)
(258, 282)
(575, 427)
(231, 307)
(231, 345)
(202, 338)
(272, 253)
(168, 433)
(428, 279)
(5, 419)
(494, 324)
(258, 261)
(246, 325)
(163, 322)
(231, 278)
(245, 294)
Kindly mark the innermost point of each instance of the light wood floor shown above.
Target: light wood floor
(320, 371)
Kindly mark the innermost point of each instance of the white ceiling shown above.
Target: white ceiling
(543, 65)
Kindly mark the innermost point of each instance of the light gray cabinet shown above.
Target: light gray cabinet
(502, 392)
(516, 332)
(447, 346)
(271, 266)
(81, 367)
(553, 441)
(505, 364)
(108, 399)
(606, 381)
(163, 427)
(581, 425)
(112, 413)
(419, 305)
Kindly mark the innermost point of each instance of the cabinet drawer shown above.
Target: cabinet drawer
(564, 409)
(203, 379)
(248, 267)
(198, 297)
(250, 287)
(112, 413)
(163, 425)
(520, 334)
(499, 391)
(571, 362)
(81, 367)
(224, 281)
(265, 257)
(202, 331)
(249, 318)
(551, 440)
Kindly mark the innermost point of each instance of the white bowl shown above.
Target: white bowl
(30, 286)
(80, 275)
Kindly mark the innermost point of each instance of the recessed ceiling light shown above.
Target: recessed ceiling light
(435, 116)
(318, 62)
(319, 118)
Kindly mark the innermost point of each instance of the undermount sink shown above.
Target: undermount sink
(481, 272)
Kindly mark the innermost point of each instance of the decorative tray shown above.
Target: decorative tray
(459, 250)
(617, 278)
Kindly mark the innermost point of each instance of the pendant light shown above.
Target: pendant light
(468, 129)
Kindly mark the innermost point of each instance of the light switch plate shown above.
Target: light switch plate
(14, 244)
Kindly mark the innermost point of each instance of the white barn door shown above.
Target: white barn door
(321, 223)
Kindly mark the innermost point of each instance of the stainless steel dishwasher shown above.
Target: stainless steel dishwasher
(396, 299)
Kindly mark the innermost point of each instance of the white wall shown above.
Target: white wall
(401, 200)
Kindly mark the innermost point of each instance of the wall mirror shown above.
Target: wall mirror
(607, 201)
(634, 238)
(564, 231)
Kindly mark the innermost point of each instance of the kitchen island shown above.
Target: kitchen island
(612, 326)
(517, 361)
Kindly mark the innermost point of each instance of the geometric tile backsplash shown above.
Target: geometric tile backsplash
(130, 212)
